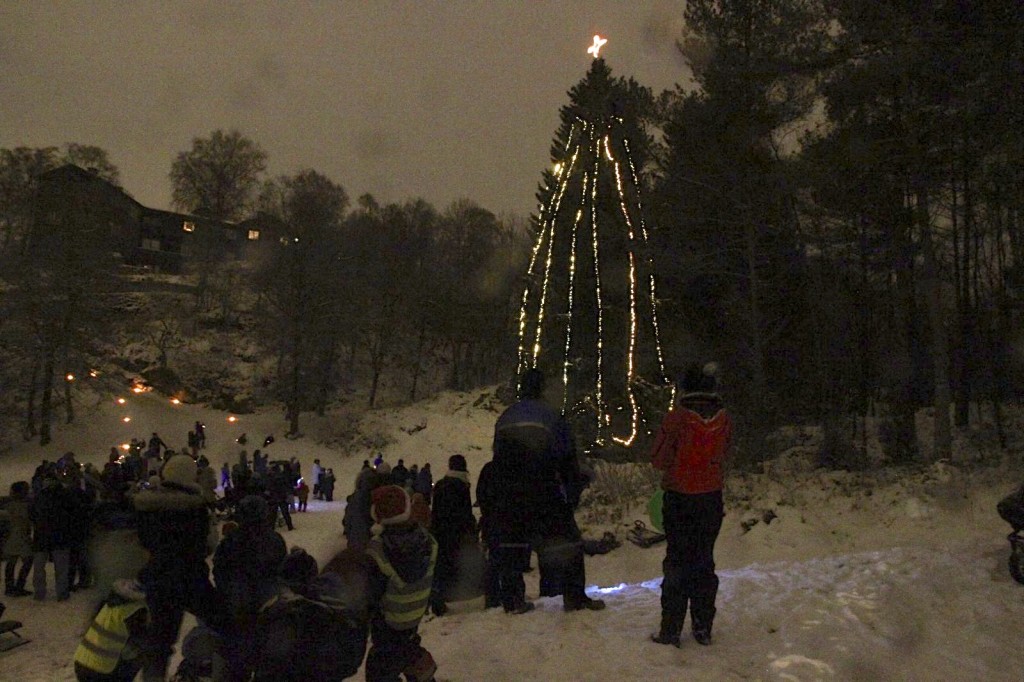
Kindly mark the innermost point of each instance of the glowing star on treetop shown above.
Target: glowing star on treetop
(596, 47)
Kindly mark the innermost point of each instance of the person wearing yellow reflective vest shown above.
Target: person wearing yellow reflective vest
(401, 558)
(116, 643)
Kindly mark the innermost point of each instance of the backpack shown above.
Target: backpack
(315, 637)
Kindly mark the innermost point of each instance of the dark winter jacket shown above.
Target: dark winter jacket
(424, 484)
(174, 526)
(52, 512)
(16, 516)
(451, 515)
(357, 520)
(503, 494)
(245, 568)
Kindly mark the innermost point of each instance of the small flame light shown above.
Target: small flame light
(137, 389)
(125, 446)
(126, 420)
(121, 401)
(175, 401)
(93, 373)
(70, 377)
(232, 419)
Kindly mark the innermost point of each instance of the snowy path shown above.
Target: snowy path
(838, 588)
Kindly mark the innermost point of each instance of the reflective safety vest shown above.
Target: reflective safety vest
(103, 643)
(404, 603)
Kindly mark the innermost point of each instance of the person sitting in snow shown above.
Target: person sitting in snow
(689, 451)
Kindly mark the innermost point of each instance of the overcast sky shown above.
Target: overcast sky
(440, 100)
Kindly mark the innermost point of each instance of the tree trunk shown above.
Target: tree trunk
(46, 408)
(33, 387)
(932, 286)
(421, 340)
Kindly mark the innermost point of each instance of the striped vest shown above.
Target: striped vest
(404, 603)
(103, 643)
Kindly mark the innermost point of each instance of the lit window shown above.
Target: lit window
(188, 226)
(151, 244)
(254, 235)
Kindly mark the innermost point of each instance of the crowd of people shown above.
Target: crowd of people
(413, 545)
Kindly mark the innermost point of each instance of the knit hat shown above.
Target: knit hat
(252, 510)
(457, 463)
(391, 505)
(180, 470)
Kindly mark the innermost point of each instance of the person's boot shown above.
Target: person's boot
(670, 630)
(521, 608)
(702, 625)
(583, 603)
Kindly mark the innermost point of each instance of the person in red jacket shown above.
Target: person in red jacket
(689, 451)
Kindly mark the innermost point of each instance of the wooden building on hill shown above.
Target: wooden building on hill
(73, 198)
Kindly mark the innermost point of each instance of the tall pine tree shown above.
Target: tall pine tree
(588, 317)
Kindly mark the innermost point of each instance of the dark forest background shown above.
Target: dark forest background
(836, 213)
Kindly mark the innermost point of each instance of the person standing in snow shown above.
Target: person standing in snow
(316, 471)
(542, 435)
(502, 492)
(327, 482)
(245, 566)
(17, 543)
(174, 527)
(451, 523)
(424, 483)
(400, 560)
(689, 450)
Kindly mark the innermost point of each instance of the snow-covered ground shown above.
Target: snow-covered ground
(884, 579)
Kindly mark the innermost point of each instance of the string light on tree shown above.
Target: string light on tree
(585, 316)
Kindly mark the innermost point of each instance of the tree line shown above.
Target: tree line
(341, 292)
(835, 206)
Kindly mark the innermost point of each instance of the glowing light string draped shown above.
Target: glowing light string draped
(599, 392)
(605, 345)
(547, 228)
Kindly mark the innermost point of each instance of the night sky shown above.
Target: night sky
(441, 100)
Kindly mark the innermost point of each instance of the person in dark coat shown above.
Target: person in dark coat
(689, 451)
(424, 483)
(244, 568)
(279, 489)
(52, 511)
(174, 527)
(503, 497)
(358, 520)
(399, 474)
(327, 482)
(543, 437)
(452, 524)
(17, 541)
(114, 477)
(83, 505)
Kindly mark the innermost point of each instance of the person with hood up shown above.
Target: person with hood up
(452, 524)
(244, 569)
(174, 527)
(689, 451)
(400, 559)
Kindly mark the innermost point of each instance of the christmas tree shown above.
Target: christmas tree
(589, 316)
